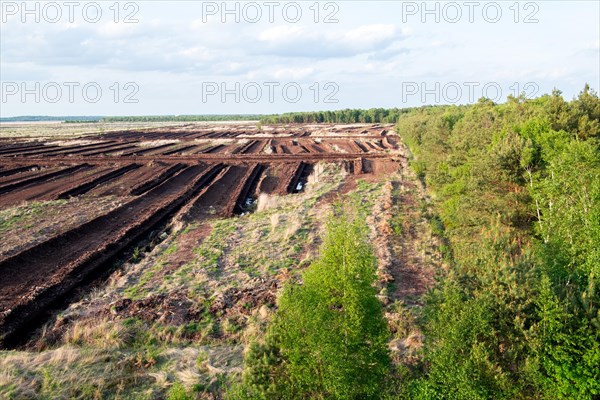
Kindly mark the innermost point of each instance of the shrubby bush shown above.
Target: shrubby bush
(517, 188)
(328, 338)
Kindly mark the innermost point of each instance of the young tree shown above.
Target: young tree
(329, 337)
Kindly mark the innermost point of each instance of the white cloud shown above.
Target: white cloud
(197, 53)
(297, 41)
(286, 34)
(293, 73)
(110, 30)
(369, 35)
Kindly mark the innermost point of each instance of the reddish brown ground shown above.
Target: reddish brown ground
(216, 180)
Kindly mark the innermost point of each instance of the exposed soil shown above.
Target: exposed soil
(205, 169)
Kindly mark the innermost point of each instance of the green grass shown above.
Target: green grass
(25, 216)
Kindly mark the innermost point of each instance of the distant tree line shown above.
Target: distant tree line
(347, 116)
(184, 118)
(39, 118)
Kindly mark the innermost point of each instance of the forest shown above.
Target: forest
(346, 116)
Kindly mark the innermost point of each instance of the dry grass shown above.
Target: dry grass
(266, 202)
(50, 130)
(152, 143)
(80, 142)
(98, 333)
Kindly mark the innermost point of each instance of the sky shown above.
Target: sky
(265, 57)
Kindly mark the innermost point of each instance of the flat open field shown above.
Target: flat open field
(70, 207)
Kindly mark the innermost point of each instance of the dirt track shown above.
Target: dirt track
(205, 171)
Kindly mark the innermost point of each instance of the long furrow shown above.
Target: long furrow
(255, 148)
(220, 198)
(17, 149)
(145, 186)
(121, 186)
(31, 151)
(84, 149)
(109, 149)
(179, 150)
(41, 178)
(296, 184)
(87, 186)
(361, 146)
(65, 150)
(51, 189)
(246, 197)
(15, 174)
(145, 150)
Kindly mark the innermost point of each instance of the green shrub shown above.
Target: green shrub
(178, 392)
